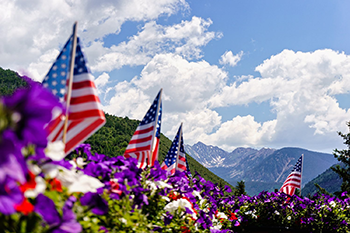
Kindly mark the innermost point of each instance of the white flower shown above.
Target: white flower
(332, 203)
(277, 213)
(155, 185)
(39, 188)
(50, 170)
(80, 162)
(289, 218)
(216, 224)
(55, 150)
(123, 220)
(180, 204)
(76, 181)
(221, 215)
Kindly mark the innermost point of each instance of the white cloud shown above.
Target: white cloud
(229, 59)
(185, 39)
(241, 131)
(102, 80)
(187, 87)
(301, 89)
(32, 28)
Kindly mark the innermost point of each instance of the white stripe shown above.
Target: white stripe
(143, 135)
(83, 77)
(83, 92)
(137, 145)
(78, 128)
(85, 106)
(55, 131)
(172, 166)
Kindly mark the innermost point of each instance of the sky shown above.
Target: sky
(236, 73)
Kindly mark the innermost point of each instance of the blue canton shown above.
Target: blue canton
(297, 167)
(56, 78)
(171, 157)
(151, 114)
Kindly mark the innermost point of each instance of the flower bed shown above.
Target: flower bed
(41, 191)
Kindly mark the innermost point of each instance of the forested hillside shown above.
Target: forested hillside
(328, 180)
(114, 136)
(9, 81)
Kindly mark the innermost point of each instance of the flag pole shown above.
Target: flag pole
(301, 175)
(179, 147)
(70, 84)
(155, 129)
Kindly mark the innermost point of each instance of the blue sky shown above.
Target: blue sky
(236, 73)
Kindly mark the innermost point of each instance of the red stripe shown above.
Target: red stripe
(53, 124)
(142, 162)
(133, 150)
(181, 166)
(84, 99)
(182, 158)
(290, 180)
(58, 133)
(135, 141)
(143, 131)
(155, 152)
(83, 84)
(295, 186)
(83, 134)
(294, 174)
(86, 114)
(291, 185)
(73, 124)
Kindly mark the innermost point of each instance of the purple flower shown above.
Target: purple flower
(168, 218)
(32, 109)
(83, 149)
(204, 220)
(10, 195)
(97, 204)
(157, 173)
(65, 224)
(12, 162)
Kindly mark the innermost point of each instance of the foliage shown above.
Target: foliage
(9, 82)
(344, 157)
(113, 138)
(41, 191)
(328, 180)
(240, 189)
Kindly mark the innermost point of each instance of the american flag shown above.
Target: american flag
(293, 181)
(176, 157)
(144, 144)
(85, 110)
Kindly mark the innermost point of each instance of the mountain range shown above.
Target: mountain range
(263, 169)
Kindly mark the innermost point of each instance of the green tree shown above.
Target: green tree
(240, 189)
(344, 157)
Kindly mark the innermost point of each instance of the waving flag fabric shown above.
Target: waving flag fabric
(145, 142)
(293, 181)
(176, 157)
(181, 158)
(85, 110)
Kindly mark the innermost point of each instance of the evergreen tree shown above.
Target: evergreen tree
(344, 157)
(240, 189)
